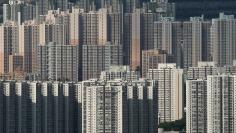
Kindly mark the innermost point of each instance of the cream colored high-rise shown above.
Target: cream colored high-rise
(102, 26)
(135, 40)
(170, 91)
(9, 44)
(75, 22)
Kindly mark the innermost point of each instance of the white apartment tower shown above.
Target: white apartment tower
(170, 91)
(220, 104)
(118, 106)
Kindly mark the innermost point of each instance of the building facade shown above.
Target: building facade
(98, 58)
(170, 91)
(119, 106)
(40, 107)
(222, 39)
(196, 105)
(9, 44)
(220, 103)
(58, 62)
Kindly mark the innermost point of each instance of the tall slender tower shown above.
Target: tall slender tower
(196, 104)
(9, 40)
(170, 91)
(223, 39)
(220, 103)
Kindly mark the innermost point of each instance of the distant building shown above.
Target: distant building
(188, 41)
(9, 40)
(196, 41)
(205, 69)
(141, 36)
(19, 11)
(120, 72)
(16, 67)
(151, 59)
(98, 58)
(100, 27)
(51, 32)
(42, 7)
(222, 39)
(168, 36)
(58, 62)
(28, 42)
(202, 71)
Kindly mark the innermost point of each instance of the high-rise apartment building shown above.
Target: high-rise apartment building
(163, 35)
(220, 103)
(170, 91)
(40, 107)
(141, 36)
(127, 35)
(89, 28)
(61, 4)
(9, 44)
(16, 66)
(135, 48)
(75, 28)
(98, 58)
(119, 106)
(223, 40)
(115, 27)
(120, 72)
(203, 70)
(28, 42)
(49, 32)
(168, 37)
(196, 41)
(86, 5)
(55, 27)
(42, 7)
(196, 106)
(19, 11)
(188, 41)
(99, 27)
(58, 62)
(131, 5)
(151, 59)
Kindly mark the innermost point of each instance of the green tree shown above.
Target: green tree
(178, 125)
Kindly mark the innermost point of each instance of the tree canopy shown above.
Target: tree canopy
(178, 125)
